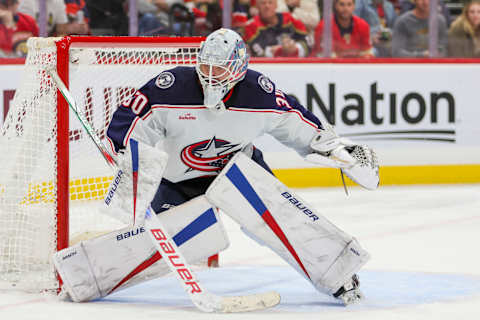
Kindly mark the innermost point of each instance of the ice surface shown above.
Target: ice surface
(425, 265)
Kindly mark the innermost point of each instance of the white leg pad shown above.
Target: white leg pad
(96, 267)
(77, 275)
(275, 216)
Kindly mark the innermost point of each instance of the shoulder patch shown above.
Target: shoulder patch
(165, 80)
(265, 83)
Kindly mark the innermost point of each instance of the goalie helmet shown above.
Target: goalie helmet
(221, 63)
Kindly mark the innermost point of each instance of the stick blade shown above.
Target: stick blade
(252, 302)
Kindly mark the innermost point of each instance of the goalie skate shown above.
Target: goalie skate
(350, 292)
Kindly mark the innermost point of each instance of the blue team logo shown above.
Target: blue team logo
(208, 155)
(265, 84)
(165, 80)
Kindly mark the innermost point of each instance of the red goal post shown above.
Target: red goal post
(52, 178)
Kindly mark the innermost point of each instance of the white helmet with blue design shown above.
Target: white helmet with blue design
(221, 63)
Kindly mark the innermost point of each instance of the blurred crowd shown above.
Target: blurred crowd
(271, 28)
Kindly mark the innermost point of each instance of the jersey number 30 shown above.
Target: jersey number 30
(137, 102)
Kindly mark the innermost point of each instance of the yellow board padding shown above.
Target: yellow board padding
(93, 188)
(40, 193)
(389, 175)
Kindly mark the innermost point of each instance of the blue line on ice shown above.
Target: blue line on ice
(383, 289)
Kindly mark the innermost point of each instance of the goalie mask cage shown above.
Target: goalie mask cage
(52, 177)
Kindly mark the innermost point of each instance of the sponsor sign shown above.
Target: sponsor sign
(387, 102)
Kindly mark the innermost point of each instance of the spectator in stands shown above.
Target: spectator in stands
(306, 11)
(271, 34)
(108, 17)
(208, 16)
(149, 23)
(350, 34)
(15, 29)
(154, 17)
(247, 7)
(56, 15)
(243, 11)
(380, 16)
(408, 5)
(182, 20)
(410, 32)
(77, 14)
(464, 33)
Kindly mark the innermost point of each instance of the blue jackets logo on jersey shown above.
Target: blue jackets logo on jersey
(208, 155)
(165, 80)
(265, 83)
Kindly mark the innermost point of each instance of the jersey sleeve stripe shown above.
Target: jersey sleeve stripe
(111, 145)
(166, 106)
(148, 114)
(130, 130)
(297, 112)
(257, 110)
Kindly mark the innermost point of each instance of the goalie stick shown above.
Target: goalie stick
(201, 298)
(81, 117)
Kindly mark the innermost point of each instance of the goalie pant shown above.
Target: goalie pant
(97, 267)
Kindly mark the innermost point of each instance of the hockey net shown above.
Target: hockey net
(52, 178)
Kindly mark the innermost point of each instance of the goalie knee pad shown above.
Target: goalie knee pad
(276, 217)
(99, 266)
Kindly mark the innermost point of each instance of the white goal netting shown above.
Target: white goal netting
(101, 76)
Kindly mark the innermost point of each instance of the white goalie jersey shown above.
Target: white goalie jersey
(170, 110)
